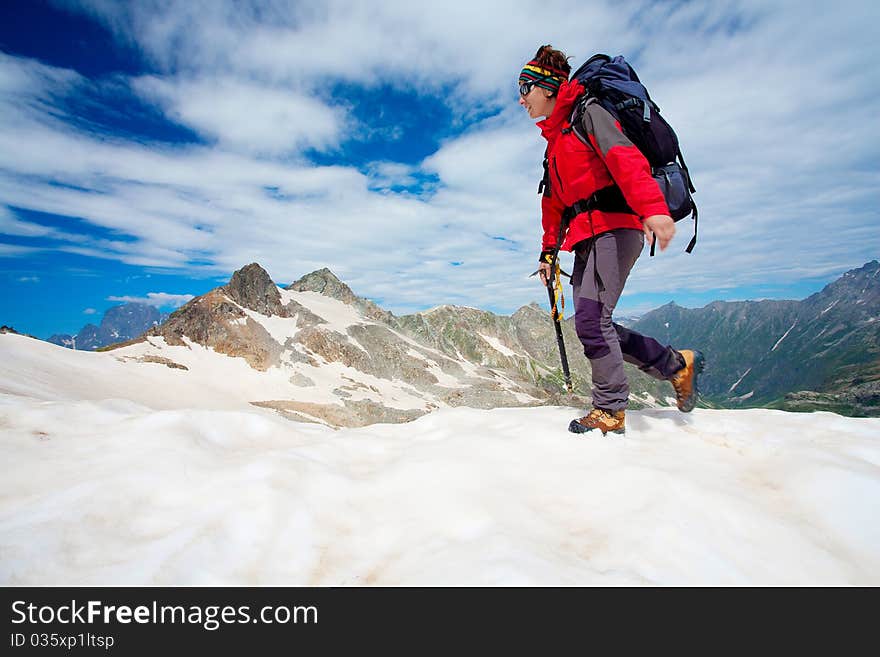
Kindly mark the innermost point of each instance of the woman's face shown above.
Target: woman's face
(538, 102)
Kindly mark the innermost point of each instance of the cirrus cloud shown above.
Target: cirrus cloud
(158, 299)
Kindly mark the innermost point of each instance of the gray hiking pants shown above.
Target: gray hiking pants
(602, 265)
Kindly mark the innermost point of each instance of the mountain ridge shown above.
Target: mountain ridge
(118, 324)
(761, 352)
(459, 355)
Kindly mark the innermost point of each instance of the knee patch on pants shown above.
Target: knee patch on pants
(588, 324)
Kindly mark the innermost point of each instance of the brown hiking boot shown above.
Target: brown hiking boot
(600, 419)
(685, 380)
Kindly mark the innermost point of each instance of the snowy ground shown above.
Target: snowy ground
(113, 491)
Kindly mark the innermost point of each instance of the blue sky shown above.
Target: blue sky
(148, 149)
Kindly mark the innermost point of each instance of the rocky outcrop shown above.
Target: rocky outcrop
(214, 320)
(348, 414)
(323, 281)
(9, 329)
(218, 319)
(859, 401)
(332, 347)
(167, 362)
(250, 287)
(523, 346)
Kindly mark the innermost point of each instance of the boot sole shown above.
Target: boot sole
(577, 427)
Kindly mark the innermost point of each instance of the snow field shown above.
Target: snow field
(113, 492)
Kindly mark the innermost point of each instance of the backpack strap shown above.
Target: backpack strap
(693, 242)
(607, 199)
(577, 114)
(545, 180)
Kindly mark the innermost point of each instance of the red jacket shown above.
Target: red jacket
(576, 171)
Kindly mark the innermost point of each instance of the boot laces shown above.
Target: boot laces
(598, 414)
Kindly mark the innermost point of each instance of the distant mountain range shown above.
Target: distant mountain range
(120, 323)
(347, 362)
(822, 353)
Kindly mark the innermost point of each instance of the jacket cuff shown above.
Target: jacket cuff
(546, 256)
(654, 208)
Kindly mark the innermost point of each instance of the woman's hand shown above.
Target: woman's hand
(660, 227)
(544, 272)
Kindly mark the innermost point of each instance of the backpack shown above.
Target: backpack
(615, 86)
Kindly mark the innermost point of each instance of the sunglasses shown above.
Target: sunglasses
(526, 87)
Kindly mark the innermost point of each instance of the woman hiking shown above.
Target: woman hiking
(606, 243)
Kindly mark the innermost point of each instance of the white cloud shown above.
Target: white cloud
(394, 41)
(384, 175)
(29, 279)
(158, 299)
(11, 225)
(14, 250)
(89, 311)
(245, 116)
(28, 80)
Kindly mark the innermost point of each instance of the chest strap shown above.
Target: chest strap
(607, 199)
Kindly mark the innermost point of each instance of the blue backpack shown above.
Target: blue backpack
(616, 87)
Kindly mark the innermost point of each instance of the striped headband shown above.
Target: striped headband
(542, 76)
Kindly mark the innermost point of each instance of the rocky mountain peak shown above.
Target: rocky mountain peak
(119, 324)
(868, 269)
(131, 313)
(252, 288)
(528, 312)
(860, 287)
(324, 281)
(867, 274)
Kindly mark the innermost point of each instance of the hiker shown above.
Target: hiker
(606, 243)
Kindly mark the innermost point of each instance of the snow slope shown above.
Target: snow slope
(316, 373)
(212, 380)
(118, 486)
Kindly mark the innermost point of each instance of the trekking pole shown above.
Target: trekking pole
(557, 320)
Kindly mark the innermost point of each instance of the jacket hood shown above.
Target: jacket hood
(568, 94)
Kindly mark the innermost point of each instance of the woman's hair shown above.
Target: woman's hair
(547, 56)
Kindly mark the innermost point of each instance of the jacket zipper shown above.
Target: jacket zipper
(558, 177)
